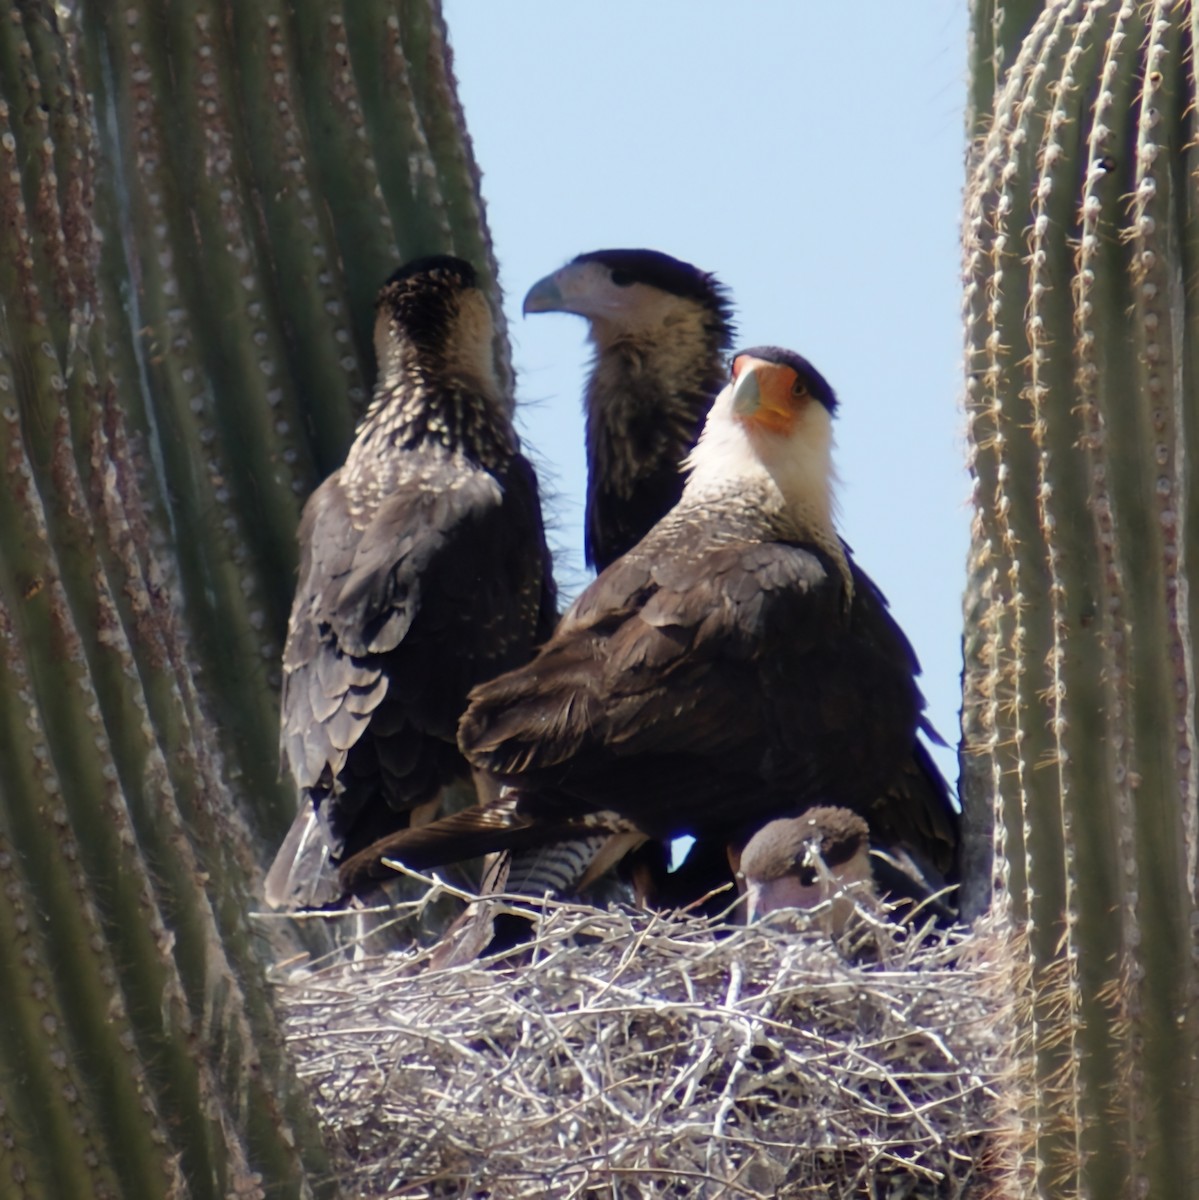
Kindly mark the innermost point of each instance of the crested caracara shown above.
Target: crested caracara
(661, 330)
(731, 668)
(423, 571)
(820, 857)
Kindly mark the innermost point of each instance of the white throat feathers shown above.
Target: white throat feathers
(799, 468)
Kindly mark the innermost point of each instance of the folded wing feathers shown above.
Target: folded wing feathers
(302, 875)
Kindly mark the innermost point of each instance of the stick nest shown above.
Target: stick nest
(630, 1055)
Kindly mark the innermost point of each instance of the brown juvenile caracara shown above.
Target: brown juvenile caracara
(423, 571)
(661, 330)
(802, 862)
(725, 671)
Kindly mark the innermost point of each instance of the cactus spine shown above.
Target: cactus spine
(1082, 309)
(197, 203)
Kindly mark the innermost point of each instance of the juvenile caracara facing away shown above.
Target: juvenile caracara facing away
(729, 669)
(802, 862)
(661, 329)
(423, 571)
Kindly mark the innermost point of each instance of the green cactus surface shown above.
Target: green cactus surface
(198, 202)
(1081, 262)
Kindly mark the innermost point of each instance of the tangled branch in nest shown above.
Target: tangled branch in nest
(631, 1055)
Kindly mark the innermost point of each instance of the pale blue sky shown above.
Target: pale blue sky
(813, 160)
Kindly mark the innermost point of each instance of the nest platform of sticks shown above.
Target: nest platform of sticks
(630, 1055)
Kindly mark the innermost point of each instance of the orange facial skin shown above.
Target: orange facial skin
(767, 395)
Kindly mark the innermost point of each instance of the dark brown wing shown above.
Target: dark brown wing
(915, 811)
(398, 613)
(695, 693)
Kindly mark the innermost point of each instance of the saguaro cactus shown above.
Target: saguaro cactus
(197, 203)
(1082, 310)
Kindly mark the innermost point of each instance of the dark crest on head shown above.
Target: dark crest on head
(655, 269)
(818, 387)
(422, 295)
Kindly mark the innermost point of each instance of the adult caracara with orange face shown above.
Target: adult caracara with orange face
(423, 571)
(725, 671)
(661, 328)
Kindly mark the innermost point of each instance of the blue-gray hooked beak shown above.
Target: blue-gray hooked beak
(747, 393)
(544, 296)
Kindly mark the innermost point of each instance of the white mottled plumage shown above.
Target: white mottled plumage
(423, 570)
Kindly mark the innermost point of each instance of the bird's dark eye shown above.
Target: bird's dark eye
(621, 278)
(807, 876)
(800, 386)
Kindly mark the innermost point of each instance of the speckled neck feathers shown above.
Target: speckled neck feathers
(437, 391)
(646, 401)
(419, 409)
(791, 488)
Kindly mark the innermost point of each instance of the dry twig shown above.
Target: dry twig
(635, 1055)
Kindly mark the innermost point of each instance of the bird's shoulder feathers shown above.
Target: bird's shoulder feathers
(639, 646)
